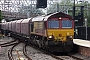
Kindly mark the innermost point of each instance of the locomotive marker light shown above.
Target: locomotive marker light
(86, 27)
(60, 18)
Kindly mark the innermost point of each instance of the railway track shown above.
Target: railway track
(74, 57)
(25, 52)
(16, 53)
(8, 43)
(46, 52)
(10, 52)
(68, 56)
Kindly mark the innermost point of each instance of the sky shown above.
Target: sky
(17, 4)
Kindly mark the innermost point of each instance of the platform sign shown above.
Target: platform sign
(41, 4)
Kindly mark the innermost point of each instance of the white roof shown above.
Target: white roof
(14, 21)
(10, 22)
(42, 18)
(26, 20)
(38, 18)
(6, 23)
(19, 21)
(2, 23)
(46, 17)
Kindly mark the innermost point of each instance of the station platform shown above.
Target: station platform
(80, 42)
(83, 46)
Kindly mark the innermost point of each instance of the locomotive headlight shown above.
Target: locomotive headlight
(70, 37)
(50, 37)
(60, 18)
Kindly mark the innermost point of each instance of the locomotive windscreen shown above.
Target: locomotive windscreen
(66, 23)
(53, 24)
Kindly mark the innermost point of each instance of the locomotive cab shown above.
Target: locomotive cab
(60, 29)
(60, 32)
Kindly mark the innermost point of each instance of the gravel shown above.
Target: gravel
(33, 53)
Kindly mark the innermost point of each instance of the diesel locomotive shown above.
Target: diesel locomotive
(54, 32)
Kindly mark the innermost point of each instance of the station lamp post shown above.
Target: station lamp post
(74, 10)
(86, 27)
(74, 18)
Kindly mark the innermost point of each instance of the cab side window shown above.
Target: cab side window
(32, 25)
